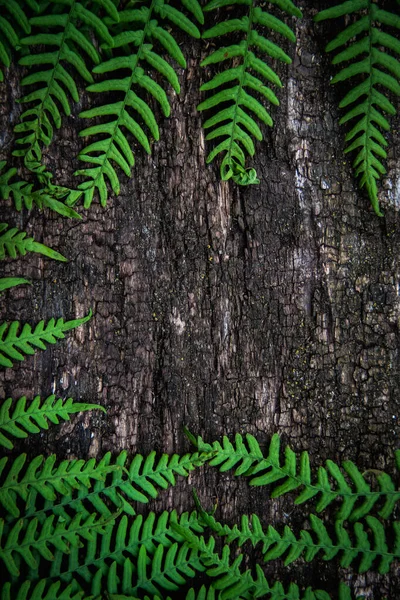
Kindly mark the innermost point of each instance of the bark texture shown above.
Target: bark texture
(273, 308)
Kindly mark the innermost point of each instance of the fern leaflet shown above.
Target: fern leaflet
(24, 195)
(34, 417)
(15, 342)
(125, 77)
(10, 282)
(14, 242)
(358, 498)
(68, 31)
(234, 121)
(367, 58)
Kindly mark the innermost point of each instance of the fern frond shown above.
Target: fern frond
(14, 22)
(14, 242)
(24, 195)
(64, 37)
(126, 79)
(117, 492)
(314, 541)
(237, 109)
(123, 539)
(47, 479)
(29, 419)
(28, 536)
(15, 342)
(167, 569)
(9, 282)
(232, 583)
(377, 72)
(41, 591)
(288, 474)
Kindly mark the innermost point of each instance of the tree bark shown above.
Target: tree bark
(272, 308)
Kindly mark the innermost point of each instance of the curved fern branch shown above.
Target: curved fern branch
(126, 77)
(232, 583)
(62, 32)
(368, 542)
(34, 417)
(235, 120)
(287, 474)
(14, 242)
(368, 61)
(15, 342)
(24, 195)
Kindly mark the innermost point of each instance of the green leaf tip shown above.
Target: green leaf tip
(9, 282)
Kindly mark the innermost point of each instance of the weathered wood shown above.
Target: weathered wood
(273, 308)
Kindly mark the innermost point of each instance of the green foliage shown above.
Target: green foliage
(34, 417)
(15, 342)
(134, 52)
(316, 539)
(25, 196)
(65, 32)
(347, 488)
(9, 282)
(374, 74)
(237, 108)
(78, 517)
(14, 242)
(12, 26)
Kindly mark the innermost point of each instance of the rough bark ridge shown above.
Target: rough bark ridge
(268, 309)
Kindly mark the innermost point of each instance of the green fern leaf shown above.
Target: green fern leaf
(9, 282)
(14, 22)
(15, 342)
(34, 417)
(366, 51)
(287, 546)
(29, 537)
(24, 195)
(14, 242)
(232, 118)
(117, 491)
(168, 569)
(125, 74)
(123, 539)
(288, 474)
(232, 583)
(47, 479)
(68, 30)
(41, 591)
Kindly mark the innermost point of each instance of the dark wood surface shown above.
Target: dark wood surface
(272, 308)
